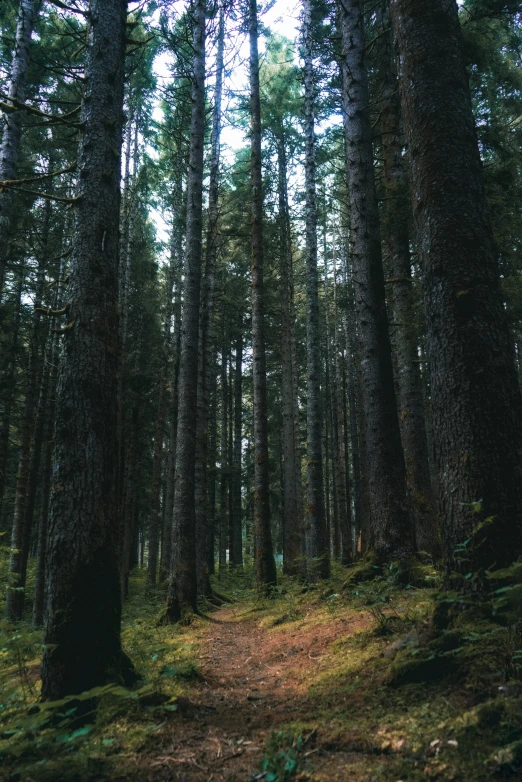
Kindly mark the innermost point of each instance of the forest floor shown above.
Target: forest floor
(329, 683)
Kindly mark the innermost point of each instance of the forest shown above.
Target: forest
(260, 390)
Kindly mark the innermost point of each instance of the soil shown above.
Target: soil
(253, 681)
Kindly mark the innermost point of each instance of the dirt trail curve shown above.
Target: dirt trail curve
(254, 681)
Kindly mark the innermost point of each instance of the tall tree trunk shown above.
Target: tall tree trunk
(236, 537)
(223, 459)
(317, 544)
(12, 121)
(168, 526)
(157, 515)
(179, 207)
(157, 468)
(20, 535)
(182, 592)
(8, 389)
(83, 598)
(206, 329)
(477, 414)
(265, 562)
(129, 499)
(212, 459)
(396, 212)
(392, 524)
(361, 512)
(345, 521)
(293, 548)
(334, 537)
(52, 359)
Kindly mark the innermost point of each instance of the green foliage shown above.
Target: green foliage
(282, 758)
(81, 736)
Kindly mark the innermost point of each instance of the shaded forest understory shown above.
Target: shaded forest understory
(343, 680)
(260, 405)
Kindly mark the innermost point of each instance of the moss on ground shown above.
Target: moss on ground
(386, 692)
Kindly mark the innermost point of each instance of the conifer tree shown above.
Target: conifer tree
(83, 606)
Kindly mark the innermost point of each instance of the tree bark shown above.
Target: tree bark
(265, 563)
(168, 527)
(83, 598)
(157, 468)
(48, 433)
(12, 131)
(401, 300)
(236, 536)
(8, 389)
(206, 328)
(317, 544)
(223, 459)
(392, 524)
(293, 548)
(182, 592)
(477, 415)
(20, 534)
(343, 490)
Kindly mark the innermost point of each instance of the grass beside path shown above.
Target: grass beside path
(343, 681)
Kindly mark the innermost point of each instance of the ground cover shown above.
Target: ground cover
(344, 680)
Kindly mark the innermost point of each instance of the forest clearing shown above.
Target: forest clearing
(260, 390)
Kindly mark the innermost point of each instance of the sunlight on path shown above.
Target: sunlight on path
(255, 680)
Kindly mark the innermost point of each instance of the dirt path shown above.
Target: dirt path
(253, 681)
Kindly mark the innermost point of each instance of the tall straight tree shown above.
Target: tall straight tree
(20, 534)
(182, 591)
(477, 411)
(12, 120)
(205, 327)
(317, 543)
(292, 529)
(236, 537)
(83, 606)
(265, 563)
(401, 300)
(392, 523)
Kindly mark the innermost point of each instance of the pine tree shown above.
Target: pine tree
(83, 607)
(265, 563)
(475, 394)
(392, 524)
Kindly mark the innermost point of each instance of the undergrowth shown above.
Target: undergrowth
(43, 741)
(418, 683)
